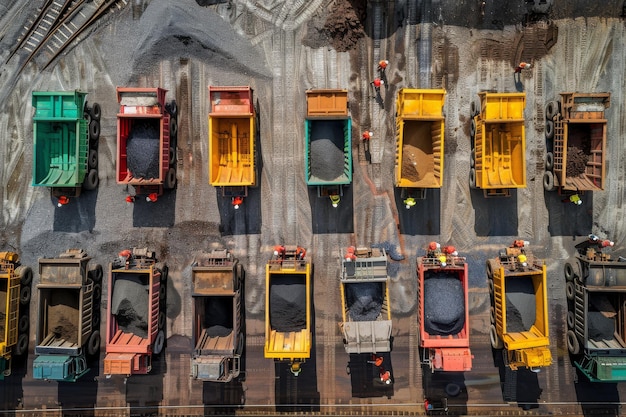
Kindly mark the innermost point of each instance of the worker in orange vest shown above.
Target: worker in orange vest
(300, 253)
(279, 250)
(237, 201)
(63, 200)
(521, 66)
(350, 256)
(450, 250)
(152, 198)
(433, 247)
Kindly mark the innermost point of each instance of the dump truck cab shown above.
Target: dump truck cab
(419, 142)
(443, 309)
(218, 336)
(596, 311)
(328, 143)
(519, 307)
(498, 139)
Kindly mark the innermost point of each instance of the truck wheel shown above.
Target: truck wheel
(93, 344)
(170, 179)
(570, 290)
(159, 342)
(161, 266)
(239, 272)
(570, 272)
(548, 181)
(490, 286)
(552, 109)
(95, 112)
(23, 324)
(173, 128)
(549, 161)
(94, 131)
(474, 109)
(25, 293)
(95, 318)
(472, 158)
(489, 269)
(172, 156)
(22, 345)
(492, 315)
(97, 293)
(452, 389)
(571, 320)
(162, 292)
(25, 273)
(496, 342)
(472, 178)
(173, 109)
(161, 320)
(91, 180)
(473, 128)
(92, 161)
(549, 129)
(96, 273)
(572, 343)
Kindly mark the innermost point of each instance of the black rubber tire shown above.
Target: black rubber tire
(93, 344)
(95, 318)
(172, 156)
(472, 178)
(495, 340)
(571, 320)
(23, 324)
(473, 128)
(94, 130)
(472, 158)
(92, 160)
(95, 112)
(162, 292)
(96, 273)
(552, 109)
(570, 290)
(474, 107)
(548, 181)
(492, 315)
(161, 319)
(452, 389)
(173, 129)
(573, 345)
(489, 269)
(161, 266)
(549, 129)
(25, 293)
(170, 179)
(159, 342)
(569, 272)
(549, 161)
(25, 273)
(91, 180)
(21, 347)
(97, 293)
(173, 109)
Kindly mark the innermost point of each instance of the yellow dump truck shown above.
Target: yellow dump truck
(419, 141)
(498, 156)
(519, 307)
(232, 133)
(288, 307)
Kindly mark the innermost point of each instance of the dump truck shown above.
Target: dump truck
(66, 130)
(443, 313)
(232, 141)
(498, 139)
(575, 142)
(288, 307)
(218, 335)
(328, 143)
(15, 291)
(364, 289)
(68, 316)
(595, 287)
(519, 307)
(146, 141)
(419, 141)
(136, 312)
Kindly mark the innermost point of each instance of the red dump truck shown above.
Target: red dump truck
(443, 309)
(146, 140)
(136, 312)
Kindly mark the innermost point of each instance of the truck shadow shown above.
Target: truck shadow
(78, 399)
(445, 391)
(365, 375)
(521, 386)
(244, 220)
(144, 393)
(567, 219)
(12, 396)
(161, 213)
(423, 218)
(78, 215)
(328, 219)
(597, 398)
(223, 398)
(494, 216)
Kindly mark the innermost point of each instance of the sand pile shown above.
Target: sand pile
(365, 300)
(576, 161)
(287, 303)
(326, 150)
(142, 148)
(63, 314)
(416, 163)
(444, 304)
(129, 304)
(218, 316)
(520, 304)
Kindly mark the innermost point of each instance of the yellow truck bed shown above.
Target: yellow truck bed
(288, 345)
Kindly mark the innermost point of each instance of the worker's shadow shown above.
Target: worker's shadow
(566, 218)
(161, 213)
(595, 401)
(521, 386)
(517, 80)
(365, 376)
(79, 215)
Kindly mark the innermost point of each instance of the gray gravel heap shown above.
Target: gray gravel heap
(444, 304)
(129, 304)
(218, 316)
(142, 149)
(520, 304)
(365, 300)
(326, 149)
(287, 303)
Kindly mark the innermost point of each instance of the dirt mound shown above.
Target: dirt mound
(576, 161)
(416, 163)
(341, 26)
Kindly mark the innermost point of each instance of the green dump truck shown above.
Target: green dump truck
(66, 130)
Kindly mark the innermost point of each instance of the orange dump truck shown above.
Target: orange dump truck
(443, 309)
(136, 312)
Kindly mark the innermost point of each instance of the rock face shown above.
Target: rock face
(444, 304)
(130, 304)
(365, 300)
(287, 303)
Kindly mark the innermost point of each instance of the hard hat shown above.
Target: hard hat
(433, 245)
(579, 202)
(335, 205)
(236, 206)
(382, 82)
(275, 253)
(407, 206)
(442, 259)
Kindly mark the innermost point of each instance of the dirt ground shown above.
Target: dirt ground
(281, 49)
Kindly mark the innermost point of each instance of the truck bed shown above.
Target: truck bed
(127, 343)
(292, 345)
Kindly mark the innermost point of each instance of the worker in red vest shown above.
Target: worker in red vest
(237, 201)
(300, 253)
(279, 250)
(367, 135)
(377, 83)
(63, 200)
(152, 198)
(522, 66)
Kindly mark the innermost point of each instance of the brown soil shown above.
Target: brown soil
(63, 316)
(576, 161)
(416, 163)
(341, 26)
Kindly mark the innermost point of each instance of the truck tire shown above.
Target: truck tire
(570, 290)
(490, 268)
(172, 108)
(173, 128)
(472, 158)
(25, 273)
(94, 131)
(472, 178)
(95, 112)
(452, 389)
(571, 320)
(492, 315)
(490, 286)
(92, 161)
(91, 180)
(25, 293)
(23, 324)
(172, 156)
(473, 128)
(170, 179)
(97, 294)
(548, 181)
(474, 108)
(549, 161)
(162, 267)
(161, 320)
(93, 344)
(552, 109)
(496, 342)
(549, 129)
(96, 273)
(240, 273)
(571, 271)
(573, 346)
(21, 347)
(162, 291)
(159, 342)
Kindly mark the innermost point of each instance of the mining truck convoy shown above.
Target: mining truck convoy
(443, 309)
(15, 294)
(596, 311)
(146, 140)
(68, 335)
(288, 334)
(328, 143)
(218, 325)
(576, 141)
(364, 289)
(419, 141)
(497, 133)
(519, 307)
(136, 312)
(66, 131)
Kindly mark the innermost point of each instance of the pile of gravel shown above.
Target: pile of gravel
(364, 299)
(129, 304)
(287, 303)
(600, 327)
(576, 161)
(444, 304)
(142, 148)
(218, 316)
(520, 304)
(326, 150)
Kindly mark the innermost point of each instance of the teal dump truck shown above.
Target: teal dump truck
(328, 143)
(66, 130)
(68, 323)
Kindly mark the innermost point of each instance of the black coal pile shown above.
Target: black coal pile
(576, 161)
(2, 320)
(142, 149)
(327, 157)
(520, 304)
(287, 303)
(218, 316)
(600, 327)
(365, 300)
(130, 304)
(444, 304)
